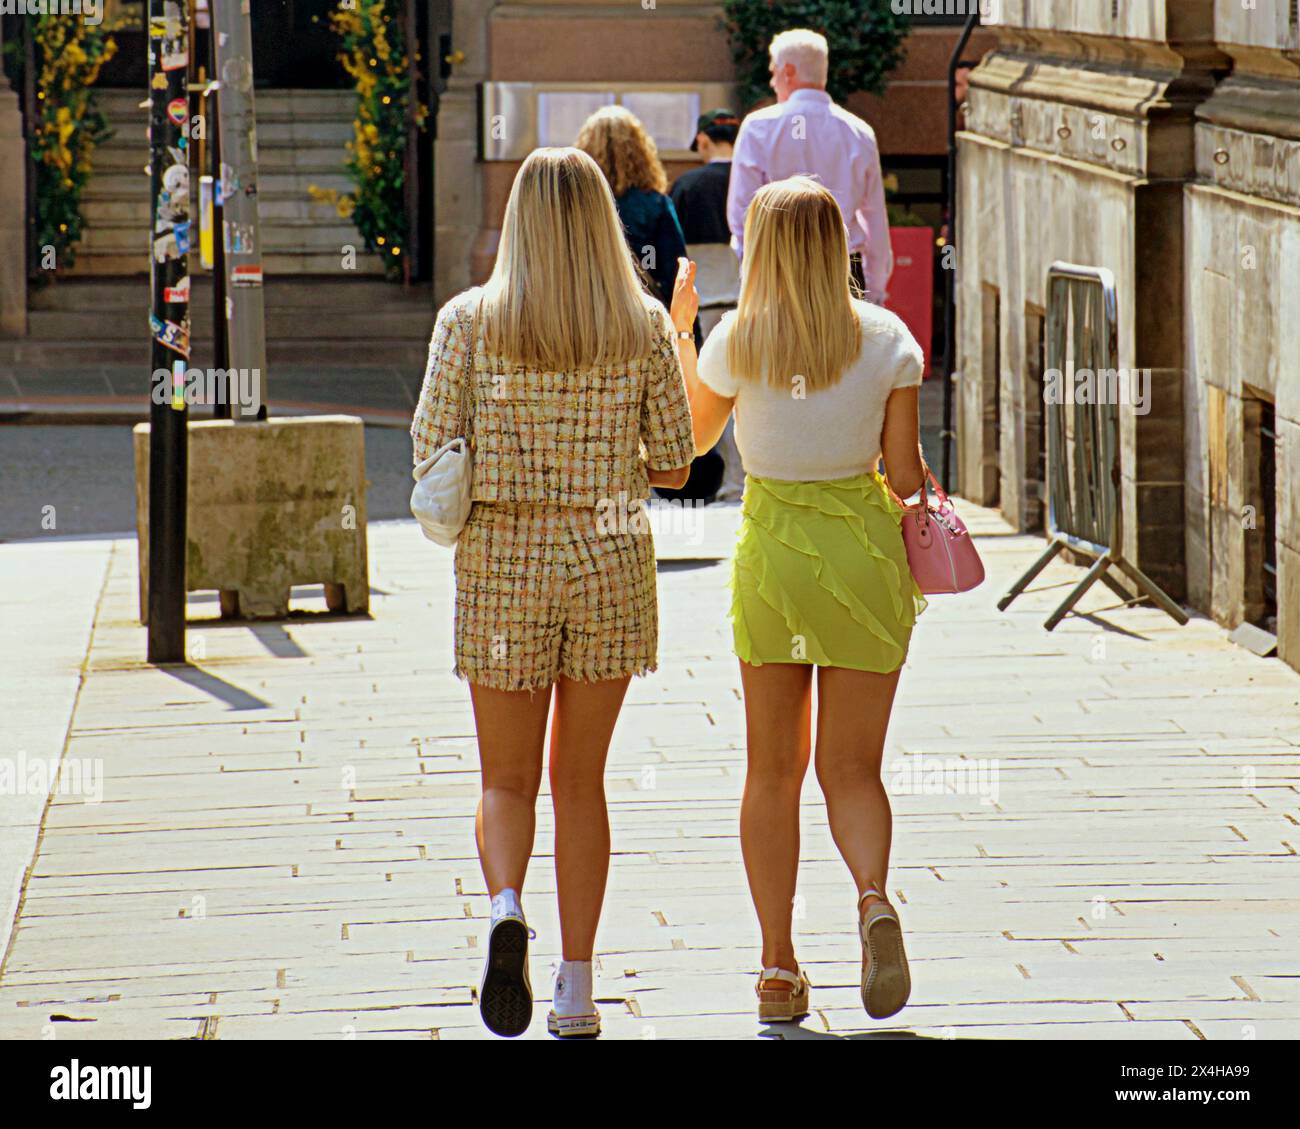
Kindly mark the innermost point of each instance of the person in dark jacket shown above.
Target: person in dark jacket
(617, 141)
(700, 195)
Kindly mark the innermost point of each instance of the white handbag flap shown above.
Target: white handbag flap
(441, 499)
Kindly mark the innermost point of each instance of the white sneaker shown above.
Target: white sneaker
(505, 998)
(574, 1013)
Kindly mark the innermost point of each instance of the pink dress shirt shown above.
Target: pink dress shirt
(810, 134)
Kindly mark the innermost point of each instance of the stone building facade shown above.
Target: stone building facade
(669, 41)
(305, 112)
(1243, 329)
(1158, 139)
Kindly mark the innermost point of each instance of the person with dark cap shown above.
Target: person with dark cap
(700, 197)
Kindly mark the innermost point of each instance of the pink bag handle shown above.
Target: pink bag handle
(924, 504)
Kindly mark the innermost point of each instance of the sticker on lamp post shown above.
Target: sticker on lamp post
(173, 335)
(178, 385)
(246, 274)
(205, 222)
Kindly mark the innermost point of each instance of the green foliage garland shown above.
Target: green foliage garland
(373, 52)
(865, 38)
(68, 54)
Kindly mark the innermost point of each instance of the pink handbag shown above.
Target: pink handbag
(940, 551)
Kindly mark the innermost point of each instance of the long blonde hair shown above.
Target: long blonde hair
(617, 141)
(563, 293)
(795, 316)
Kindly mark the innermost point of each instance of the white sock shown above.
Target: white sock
(573, 988)
(506, 904)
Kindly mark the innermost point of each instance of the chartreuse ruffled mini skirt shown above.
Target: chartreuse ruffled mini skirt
(820, 575)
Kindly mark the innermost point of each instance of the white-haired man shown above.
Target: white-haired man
(806, 132)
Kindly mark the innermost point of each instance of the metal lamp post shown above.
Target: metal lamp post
(169, 326)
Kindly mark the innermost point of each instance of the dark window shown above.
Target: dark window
(1035, 419)
(1268, 504)
(991, 396)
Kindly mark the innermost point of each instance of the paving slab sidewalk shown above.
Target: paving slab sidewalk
(1096, 830)
(49, 592)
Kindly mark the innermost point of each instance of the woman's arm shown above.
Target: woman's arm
(669, 479)
(670, 247)
(900, 442)
(437, 418)
(666, 417)
(709, 411)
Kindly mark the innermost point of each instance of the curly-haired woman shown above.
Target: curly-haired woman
(617, 141)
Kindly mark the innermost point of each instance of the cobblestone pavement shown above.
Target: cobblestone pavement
(1095, 829)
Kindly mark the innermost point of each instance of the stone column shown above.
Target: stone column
(458, 174)
(1080, 137)
(1242, 324)
(13, 216)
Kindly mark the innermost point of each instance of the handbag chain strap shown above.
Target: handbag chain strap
(467, 378)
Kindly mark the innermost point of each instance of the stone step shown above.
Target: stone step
(268, 105)
(132, 292)
(332, 324)
(119, 263)
(26, 354)
(301, 144)
(130, 134)
(285, 236)
(115, 184)
(115, 159)
(316, 132)
(327, 157)
(121, 212)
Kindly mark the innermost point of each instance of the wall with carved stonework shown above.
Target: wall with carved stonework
(628, 41)
(1243, 322)
(1160, 140)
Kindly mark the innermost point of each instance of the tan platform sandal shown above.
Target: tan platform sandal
(777, 1005)
(886, 982)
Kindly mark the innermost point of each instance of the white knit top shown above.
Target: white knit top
(827, 434)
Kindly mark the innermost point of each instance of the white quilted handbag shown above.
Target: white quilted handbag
(442, 497)
(440, 500)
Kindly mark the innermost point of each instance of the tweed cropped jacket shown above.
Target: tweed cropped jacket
(555, 438)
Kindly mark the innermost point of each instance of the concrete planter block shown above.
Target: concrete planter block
(271, 504)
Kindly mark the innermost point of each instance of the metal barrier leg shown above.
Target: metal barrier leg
(1152, 589)
(1034, 569)
(1094, 574)
(1116, 587)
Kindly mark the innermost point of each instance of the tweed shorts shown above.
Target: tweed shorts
(544, 591)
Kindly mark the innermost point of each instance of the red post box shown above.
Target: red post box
(911, 287)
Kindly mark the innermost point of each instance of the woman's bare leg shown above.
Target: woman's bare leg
(778, 711)
(585, 715)
(853, 708)
(511, 727)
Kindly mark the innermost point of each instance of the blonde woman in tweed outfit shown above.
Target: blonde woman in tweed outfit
(578, 407)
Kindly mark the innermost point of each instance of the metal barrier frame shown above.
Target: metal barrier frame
(1090, 522)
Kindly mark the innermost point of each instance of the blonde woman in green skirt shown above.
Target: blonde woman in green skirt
(823, 385)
